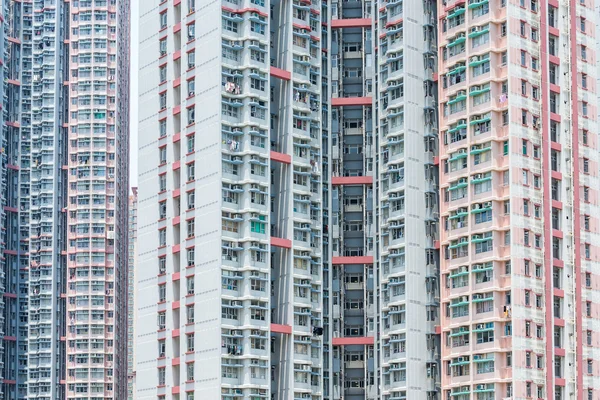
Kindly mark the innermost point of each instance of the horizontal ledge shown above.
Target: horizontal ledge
(352, 260)
(278, 328)
(352, 23)
(280, 242)
(280, 157)
(352, 180)
(351, 101)
(281, 73)
(346, 341)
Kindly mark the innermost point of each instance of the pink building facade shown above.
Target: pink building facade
(518, 200)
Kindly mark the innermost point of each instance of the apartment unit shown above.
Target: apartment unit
(272, 258)
(64, 169)
(519, 199)
(131, 292)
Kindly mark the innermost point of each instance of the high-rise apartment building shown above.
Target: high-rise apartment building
(131, 292)
(64, 176)
(519, 199)
(291, 200)
(288, 199)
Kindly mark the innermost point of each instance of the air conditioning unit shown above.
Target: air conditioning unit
(480, 387)
(236, 303)
(237, 216)
(463, 329)
(478, 176)
(464, 269)
(479, 326)
(236, 187)
(462, 121)
(464, 299)
(460, 359)
(474, 59)
(255, 186)
(477, 206)
(475, 29)
(487, 204)
(463, 240)
(477, 236)
(461, 151)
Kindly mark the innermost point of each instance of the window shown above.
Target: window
(528, 358)
(588, 308)
(191, 143)
(190, 371)
(189, 312)
(162, 265)
(191, 257)
(190, 342)
(162, 237)
(191, 31)
(163, 127)
(163, 73)
(527, 302)
(191, 59)
(230, 26)
(191, 171)
(523, 58)
(534, 34)
(584, 81)
(191, 199)
(163, 20)
(162, 99)
(191, 87)
(524, 146)
(584, 136)
(587, 251)
(190, 228)
(586, 222)
(190, 283)
(162, 376)
(583, 52)
(191, 115)
(522, 28)
(586, 165)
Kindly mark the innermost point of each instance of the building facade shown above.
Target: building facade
(131, 292)
(64, 153)
(519, 199)
(379, 200)
(272, 256)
